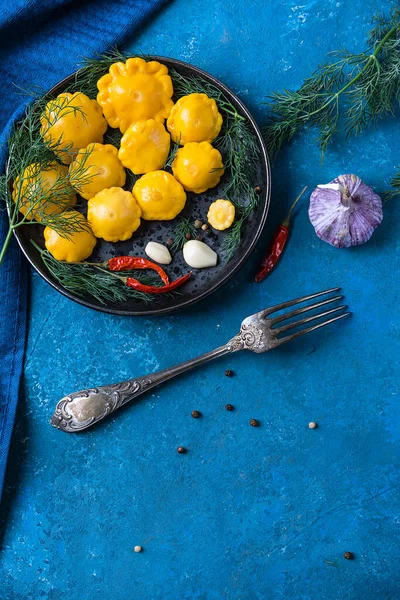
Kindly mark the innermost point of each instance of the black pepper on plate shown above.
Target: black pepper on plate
(254, 422)
(228, 407)
(258, 189)
(181, 450)
(170, 241)
(348, 555)
(188, 236)
(229, 373)
(195, 414)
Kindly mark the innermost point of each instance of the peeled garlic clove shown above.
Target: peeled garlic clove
(198, 255)
(345, 212)
(158, 253)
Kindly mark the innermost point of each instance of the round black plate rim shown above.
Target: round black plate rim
(194, 299)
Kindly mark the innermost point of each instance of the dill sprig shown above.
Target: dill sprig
(183, 230)
(360, 88)
(83, 279)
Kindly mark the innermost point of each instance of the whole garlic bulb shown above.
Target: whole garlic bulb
(345, 212)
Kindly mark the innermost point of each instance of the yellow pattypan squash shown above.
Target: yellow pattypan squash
(70, 122)
(221, 214)
(198, 166)
(144, 146)
(42, 191)
(79, 245)
(135, 91)
(96, 167)
(194, 118)
(114, 214)
(159, 195)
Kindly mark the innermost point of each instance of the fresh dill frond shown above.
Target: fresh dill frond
(183, 230)
(83, 279)
(395, 187)
(172, 153)
(361, 88)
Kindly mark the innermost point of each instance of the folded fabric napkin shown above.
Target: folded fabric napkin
(42, 41)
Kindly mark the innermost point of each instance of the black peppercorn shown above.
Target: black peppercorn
(188, 236)
(348, 555)
(229, 407)
(258, 189)
(199, 238)
(195, 414)
(229, 373)
(254, 422)
(181, 450)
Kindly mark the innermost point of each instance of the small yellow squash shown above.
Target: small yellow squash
(159, 195)
(198, 166)
(95, 168)
(221, 214)
(114, 214)
(144, 146)
(194, 118)
(70, 122)
(135, 91)
(79, 245)
(43, 191)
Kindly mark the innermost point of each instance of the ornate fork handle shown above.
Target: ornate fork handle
(80, 410)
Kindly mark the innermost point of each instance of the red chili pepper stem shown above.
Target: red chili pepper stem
(286, 222)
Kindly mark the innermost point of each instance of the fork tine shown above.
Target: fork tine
(273, 309)
(308, 319)
(288, 338)
(304, 309)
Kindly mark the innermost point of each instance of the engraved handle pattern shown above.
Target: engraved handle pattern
(80, 410)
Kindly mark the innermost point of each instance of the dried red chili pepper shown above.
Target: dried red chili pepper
(152, 289)
(127, 263)
(277, 244)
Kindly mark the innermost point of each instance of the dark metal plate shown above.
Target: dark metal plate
(203, 282)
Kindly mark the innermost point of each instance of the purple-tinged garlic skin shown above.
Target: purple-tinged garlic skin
(345, 212)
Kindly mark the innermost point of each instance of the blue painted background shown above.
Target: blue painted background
(249, 514)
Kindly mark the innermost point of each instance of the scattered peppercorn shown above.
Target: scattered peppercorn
(229, 373)
(348, 555)
(258, 189)
(254, 422)
(204, 227)
(198, 224)
(170, 241)
(229, 407)
(138, 548)
(312, 425)
(181, 450)
(188, 236)
(199, 238)
(195, 414)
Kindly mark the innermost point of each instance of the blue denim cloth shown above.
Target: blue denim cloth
(41, 41)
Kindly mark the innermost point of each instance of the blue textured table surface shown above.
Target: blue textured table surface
(248, 513)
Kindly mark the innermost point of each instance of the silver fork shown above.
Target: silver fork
(258, 333)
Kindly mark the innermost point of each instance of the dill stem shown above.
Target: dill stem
(371, 58)
(6, 242)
